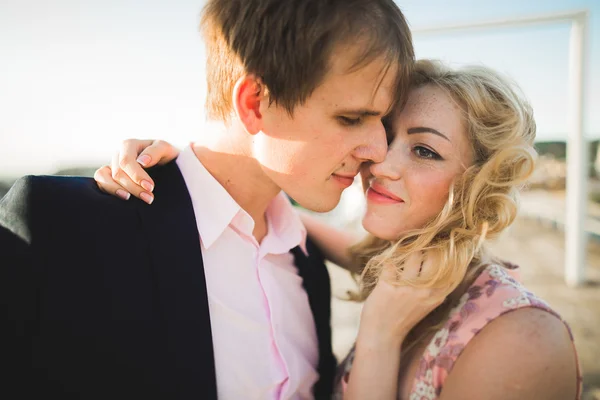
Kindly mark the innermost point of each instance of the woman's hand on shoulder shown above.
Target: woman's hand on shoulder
(125, 175)
(524, 354)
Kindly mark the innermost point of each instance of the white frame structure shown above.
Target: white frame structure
(577, 145)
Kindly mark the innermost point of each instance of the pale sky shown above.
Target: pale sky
(77, 77)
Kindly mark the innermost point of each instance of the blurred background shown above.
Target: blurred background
(79, 76)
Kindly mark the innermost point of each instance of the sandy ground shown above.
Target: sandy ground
(539, 250)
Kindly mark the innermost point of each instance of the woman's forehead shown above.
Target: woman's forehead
(430, 104)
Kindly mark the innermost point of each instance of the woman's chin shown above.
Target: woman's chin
(379, 229)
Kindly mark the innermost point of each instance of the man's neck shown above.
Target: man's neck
(226, 155)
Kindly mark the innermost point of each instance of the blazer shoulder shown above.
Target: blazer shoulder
(16, 206)
(168, 173)
(43, 190)
(35, 201)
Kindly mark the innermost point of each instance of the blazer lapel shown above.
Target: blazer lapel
(182, 300)
(315, 279)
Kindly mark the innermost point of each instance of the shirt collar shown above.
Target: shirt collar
(286, 230)
(214, 207)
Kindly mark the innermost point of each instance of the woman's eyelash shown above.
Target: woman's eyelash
(425, 153)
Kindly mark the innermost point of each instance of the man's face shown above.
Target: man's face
(316, 153)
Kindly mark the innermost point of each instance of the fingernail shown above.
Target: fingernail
(143, 160)
(146, 197)
(147, 186)
(123, 194)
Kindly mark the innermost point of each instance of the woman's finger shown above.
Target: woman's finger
(158, 153)
(389, 273)
(413, 265)
(127, 162)
(123, 179)
(107, 184)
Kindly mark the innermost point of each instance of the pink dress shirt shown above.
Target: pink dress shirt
(263, 331)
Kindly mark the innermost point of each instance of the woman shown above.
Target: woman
(459, 150)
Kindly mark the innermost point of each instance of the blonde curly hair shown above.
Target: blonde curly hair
(482, 202)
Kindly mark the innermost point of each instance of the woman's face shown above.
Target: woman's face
(429, 147)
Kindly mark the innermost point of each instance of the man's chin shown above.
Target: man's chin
(325, 203)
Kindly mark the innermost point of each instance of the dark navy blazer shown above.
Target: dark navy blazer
(106, 299)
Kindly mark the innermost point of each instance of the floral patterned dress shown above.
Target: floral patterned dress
(495, 292)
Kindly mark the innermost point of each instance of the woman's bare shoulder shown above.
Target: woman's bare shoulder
(525, 353)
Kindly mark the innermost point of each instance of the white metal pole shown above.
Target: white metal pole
(577, 158)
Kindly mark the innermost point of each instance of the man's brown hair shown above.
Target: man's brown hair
(288, 44)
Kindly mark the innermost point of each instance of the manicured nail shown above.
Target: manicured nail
(146, 197)
(123, 194)
(143, 160)
(147, 186)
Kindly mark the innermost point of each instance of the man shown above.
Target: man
(213, 290)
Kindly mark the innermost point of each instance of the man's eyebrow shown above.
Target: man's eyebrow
(360, 112)
(424, 129)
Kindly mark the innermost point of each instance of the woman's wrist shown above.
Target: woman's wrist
(375, 368)
(378, 341)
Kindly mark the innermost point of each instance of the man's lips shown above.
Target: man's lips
(345, 180)
(380, 190)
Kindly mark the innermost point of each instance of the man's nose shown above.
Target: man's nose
(374, 145)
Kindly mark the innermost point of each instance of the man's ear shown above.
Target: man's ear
(248, 93)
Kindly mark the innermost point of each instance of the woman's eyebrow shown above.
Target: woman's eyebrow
(424, 129)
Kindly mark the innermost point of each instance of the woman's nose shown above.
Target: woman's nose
(391, 167)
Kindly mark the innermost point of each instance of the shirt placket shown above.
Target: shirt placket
(244, 225)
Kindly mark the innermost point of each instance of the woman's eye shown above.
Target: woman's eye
(349, 121)
(424, 152)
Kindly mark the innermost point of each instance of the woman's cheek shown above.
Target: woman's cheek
(432, 192)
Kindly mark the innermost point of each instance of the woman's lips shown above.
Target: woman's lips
(379, 194)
